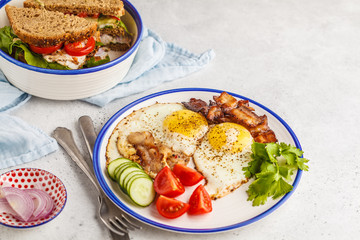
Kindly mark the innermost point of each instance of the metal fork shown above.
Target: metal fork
(110, 214)
(87, 128)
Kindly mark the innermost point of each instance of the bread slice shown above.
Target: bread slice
(46, 28)
(122, 39)
(105, 7)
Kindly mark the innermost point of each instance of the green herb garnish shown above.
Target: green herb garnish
(272, 166)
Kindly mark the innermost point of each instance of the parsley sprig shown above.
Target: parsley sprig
(272, 166)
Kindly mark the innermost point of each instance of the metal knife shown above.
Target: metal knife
(88, 131)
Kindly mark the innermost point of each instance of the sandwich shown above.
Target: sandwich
(52, 40)
(107, 14)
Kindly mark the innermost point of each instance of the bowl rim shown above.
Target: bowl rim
(48, 220)
(139, 24)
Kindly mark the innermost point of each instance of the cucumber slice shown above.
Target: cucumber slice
(130, 177)
(126, 172)
(114, 164)
(141, 191)
(120, 168)
(129, 182)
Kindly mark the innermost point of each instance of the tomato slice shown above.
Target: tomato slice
(200, 201)
(171, 207)
(95, 15)
(78, 49)
(187, 176)
(82, 14)
(115, 17)
(45, 50)
(167, 184)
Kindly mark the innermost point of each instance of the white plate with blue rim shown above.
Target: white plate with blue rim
(230, 212)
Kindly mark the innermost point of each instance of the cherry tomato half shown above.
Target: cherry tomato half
(45, 50)
(187, 176)
(200, 201)
(77, 49)
(167, 184)
(171, 207)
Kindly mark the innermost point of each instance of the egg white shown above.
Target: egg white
(151, 119)
(222, 168)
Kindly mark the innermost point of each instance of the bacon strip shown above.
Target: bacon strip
(152, 156)
(225, 108)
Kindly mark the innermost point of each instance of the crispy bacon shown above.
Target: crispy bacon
(215, 114)
(225, 108)
(245, 117)
(226, 101)
(266, 137)
(149, 156)
(197, 105)
(152, 156)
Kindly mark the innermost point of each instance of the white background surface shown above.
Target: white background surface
(299, 58)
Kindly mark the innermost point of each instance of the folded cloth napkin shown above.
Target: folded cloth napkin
(10, 97)
(155, 62)
(21, 143)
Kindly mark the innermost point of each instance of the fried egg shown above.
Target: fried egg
(221, 156)
(171, 124)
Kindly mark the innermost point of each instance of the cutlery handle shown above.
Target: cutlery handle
(88, 132)
(65, 138)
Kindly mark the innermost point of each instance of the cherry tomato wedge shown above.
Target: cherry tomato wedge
(77, 49)
(200, 201)
(187, 176)
(45, 50)
(171, 207)
(167, 184)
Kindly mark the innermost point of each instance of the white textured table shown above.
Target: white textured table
(299, 58)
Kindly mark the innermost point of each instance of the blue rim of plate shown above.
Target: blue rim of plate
(37, 225)
(111, 195)
(128, 7)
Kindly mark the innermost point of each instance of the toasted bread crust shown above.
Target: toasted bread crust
(116, 32)
(45, 28)
(105, 7)
(118, 46)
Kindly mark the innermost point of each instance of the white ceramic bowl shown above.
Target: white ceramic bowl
(71, 84)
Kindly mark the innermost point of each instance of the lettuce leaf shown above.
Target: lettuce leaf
(93, 63)
(21, 51)
(6, 39)
(122, 24)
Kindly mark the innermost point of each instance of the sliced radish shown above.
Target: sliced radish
(21, 202)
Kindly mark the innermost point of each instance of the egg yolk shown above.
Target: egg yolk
(229, 137)
(185, 122)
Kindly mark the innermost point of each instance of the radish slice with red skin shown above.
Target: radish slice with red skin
(21, 202)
